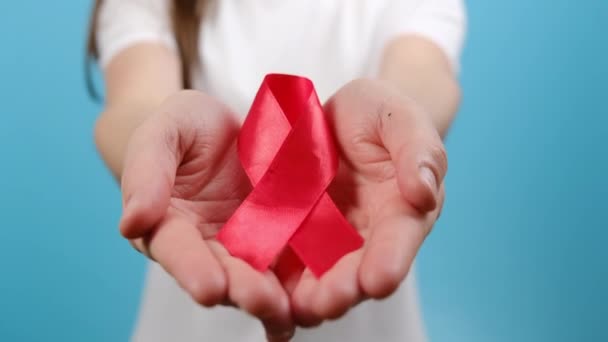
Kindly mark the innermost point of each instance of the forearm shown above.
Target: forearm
(422, 72)
(137, 81)
(113, 131)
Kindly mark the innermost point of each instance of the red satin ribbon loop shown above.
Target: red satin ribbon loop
(287, 150)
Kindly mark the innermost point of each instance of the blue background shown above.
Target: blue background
(521, 251)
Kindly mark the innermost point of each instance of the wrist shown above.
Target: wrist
(112, 132)
(439, 99)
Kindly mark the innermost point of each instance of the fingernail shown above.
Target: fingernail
(126, 203)
(428, 176)
(129, 205)
(127, 212)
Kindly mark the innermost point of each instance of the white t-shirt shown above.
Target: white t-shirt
(328, 41)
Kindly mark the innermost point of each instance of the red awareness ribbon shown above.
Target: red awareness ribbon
(287, 150)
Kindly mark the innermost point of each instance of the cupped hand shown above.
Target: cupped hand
(181, 182)
(389, 186)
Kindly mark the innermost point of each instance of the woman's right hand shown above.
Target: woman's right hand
(181, 181)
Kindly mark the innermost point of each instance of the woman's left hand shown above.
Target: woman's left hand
(389, 186)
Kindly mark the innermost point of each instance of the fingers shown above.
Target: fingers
(300, 301)
(148, 175)
(418, 155)
(315, 300)
(338, 289)
(394, 242)
(259, 294)
(177, 245)
(288, 269)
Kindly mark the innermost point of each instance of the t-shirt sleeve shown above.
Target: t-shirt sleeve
(441, 21)
(122, 23)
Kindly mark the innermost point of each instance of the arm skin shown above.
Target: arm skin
(400, 166)
(421, 71)
(139, 78)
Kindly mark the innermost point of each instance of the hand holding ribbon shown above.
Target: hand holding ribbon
(287, 149)
(182, 181)
(389, 186)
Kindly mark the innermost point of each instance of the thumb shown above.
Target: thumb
(421, 167)
(418, 155)
(148, 175)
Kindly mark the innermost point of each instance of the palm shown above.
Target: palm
(182, 181)
(183, 174)
(209, 196)
(392, 219)
(366, 188)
